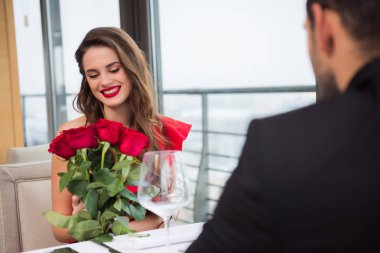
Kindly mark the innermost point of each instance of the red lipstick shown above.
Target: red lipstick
(111, 91)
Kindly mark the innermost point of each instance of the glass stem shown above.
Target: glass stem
(167, 227)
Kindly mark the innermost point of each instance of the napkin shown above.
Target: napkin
(157, 238)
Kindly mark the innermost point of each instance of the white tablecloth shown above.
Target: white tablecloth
(180, 238)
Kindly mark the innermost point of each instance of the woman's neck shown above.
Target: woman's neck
(119, 114)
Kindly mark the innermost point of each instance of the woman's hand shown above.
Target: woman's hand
(150, 222)
(77, 204)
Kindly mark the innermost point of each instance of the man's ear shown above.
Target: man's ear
(323, 29)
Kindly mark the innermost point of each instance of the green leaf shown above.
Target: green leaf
(103, 238)
(114, 174)
(134, 174)
(124, 173)
(120, 227)
(65, 179)
(138, 212)
(95, 185)
(84, 165)
(60, 220)
(103, 176)
(91, 202)
(108, 163)
(85, 230)
(107, 226)
(153, 191)
(71, 165)
(125, 207)
(78, 155)
(112, 209)
(108, 215)
(133, 159)
(115, 187)
(84, 215)
(104, 197)
(122, 164)
(122, 220)
(60, 174)
(77, 175)
(117, 205)
(127, 194)
(77, 187)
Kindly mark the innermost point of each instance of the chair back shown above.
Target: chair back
(28, 154)
(24, 195)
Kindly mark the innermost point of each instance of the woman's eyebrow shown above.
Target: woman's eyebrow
(112, 63)
(91, 70)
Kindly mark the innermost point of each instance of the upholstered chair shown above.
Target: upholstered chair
(24, 196)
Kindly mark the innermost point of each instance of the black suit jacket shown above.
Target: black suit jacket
(307, 180)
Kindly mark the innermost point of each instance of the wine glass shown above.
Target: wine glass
(163, 186)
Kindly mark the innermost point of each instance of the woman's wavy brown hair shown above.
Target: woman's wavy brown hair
(141, 100)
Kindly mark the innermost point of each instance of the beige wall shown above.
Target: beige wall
(11, 132)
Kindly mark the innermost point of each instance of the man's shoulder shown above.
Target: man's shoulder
(289, 124)
(311, 133)
(330, 117)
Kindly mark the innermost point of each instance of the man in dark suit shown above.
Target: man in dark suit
(309, 180)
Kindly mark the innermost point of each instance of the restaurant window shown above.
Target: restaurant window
(224, 63)
(47, 34)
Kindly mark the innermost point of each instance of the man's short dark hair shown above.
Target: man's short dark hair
(360, 17)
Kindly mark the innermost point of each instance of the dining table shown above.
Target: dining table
(180, 237)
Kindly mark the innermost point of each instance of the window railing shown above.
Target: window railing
(210, 179)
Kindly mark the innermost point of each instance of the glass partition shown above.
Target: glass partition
(223, 64)
(47, 36)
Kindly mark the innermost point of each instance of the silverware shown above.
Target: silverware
(110, 249)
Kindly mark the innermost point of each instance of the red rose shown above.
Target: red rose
(133, 142)
(131, 188)
(108, 130)
(82, 137)
(60, 147)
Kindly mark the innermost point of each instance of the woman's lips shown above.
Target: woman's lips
(111, 91)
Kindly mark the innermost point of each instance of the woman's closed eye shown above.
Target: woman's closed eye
(92, 76)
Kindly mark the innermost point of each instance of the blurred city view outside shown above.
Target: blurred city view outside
(228, 119)
(228, 114)
(260, 44)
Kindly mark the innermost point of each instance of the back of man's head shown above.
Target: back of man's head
(361, 19)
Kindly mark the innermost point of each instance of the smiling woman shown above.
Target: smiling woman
(116, 85)
(107, 78)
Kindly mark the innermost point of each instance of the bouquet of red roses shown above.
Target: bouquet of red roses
(103, 169)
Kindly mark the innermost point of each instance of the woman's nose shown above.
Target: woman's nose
(105, 79)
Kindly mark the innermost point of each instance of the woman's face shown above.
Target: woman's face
(108, 80)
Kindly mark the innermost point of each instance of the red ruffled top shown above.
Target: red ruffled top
(175, 133)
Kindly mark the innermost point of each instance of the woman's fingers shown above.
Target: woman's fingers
(77, 204)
